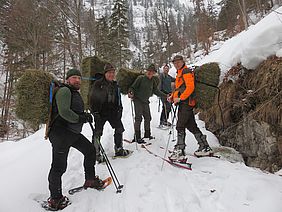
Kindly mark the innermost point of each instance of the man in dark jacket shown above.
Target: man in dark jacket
(67, 119)
(140, 91)
(165, 87)
(105, 105)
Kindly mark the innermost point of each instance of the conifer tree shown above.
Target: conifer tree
(119, 33)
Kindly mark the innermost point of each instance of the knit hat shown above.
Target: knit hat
(73, 72)
(177, 57)
(152, 68)
(108, 67)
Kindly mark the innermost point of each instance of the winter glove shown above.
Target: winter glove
(130, 95)
(85, 117)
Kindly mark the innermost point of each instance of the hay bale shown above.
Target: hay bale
(90, 68)
(126, 77)
(207, 79)
(32, 97)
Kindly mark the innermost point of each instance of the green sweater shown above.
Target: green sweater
(143, 88)
(63, 100)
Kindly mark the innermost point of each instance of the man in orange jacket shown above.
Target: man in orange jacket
(184, 96)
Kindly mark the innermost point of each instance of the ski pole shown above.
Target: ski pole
(133, 117)
(159, 105)
(173, 119)
(169, 135)
(109, 166)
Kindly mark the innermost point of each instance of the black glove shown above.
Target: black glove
(85, 117)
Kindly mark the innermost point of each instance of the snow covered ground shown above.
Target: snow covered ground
(213, 185)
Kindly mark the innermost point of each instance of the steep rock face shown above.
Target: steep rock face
(249, 119)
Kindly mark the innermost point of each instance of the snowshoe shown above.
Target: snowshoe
(55, 204)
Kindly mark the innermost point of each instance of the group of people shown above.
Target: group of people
(68, 117)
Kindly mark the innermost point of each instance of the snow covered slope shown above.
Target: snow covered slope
(252, 46)
(213, 185)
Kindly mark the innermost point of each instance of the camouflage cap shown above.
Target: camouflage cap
(151, 67)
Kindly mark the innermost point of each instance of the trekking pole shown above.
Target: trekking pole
(169, 135)
(173, 114)
(159, 105)
(109, 166)
(133, 117)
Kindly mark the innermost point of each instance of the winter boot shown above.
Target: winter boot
(95, 183)
(56, 204)
(121, 152)
(178, 155)
(204, 148)
(137, 138)
(148, 135)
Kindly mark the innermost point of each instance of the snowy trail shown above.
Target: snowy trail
(213, 184)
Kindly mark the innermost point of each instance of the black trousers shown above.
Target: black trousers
(186, 119)
(165, 110)
(115, 122)
(61, 140)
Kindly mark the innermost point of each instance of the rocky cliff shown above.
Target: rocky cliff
(248, 116)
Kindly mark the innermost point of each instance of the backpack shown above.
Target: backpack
(53, 88)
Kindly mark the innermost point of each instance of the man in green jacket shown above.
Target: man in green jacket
(140, 91)
(66, 123)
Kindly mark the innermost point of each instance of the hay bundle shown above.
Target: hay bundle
(32, 97)
(91, 68)
(126, 78)
(207, 79)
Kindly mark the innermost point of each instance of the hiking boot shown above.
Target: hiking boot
(96, 183)
(166, 123)
(178, 155)
(100, 158)
(139, 141)
(147, 134)
(122, 152)
(203, 151)
(58, 203)
(150, 137)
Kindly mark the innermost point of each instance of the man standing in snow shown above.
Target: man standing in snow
(183, 96)
(140, 91)
(67, 119)
(165, 87)
(105, 105)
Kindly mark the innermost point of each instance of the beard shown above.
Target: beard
(76, 86)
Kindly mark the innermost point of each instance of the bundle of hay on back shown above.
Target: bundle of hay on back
(32, 97)
(207, 79)
(92, 68)
(126, 78)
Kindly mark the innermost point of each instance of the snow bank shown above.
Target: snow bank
(250, 47)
